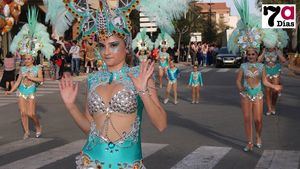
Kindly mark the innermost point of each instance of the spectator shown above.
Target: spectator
(75, 52)
(8, 77)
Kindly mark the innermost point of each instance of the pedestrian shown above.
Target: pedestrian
(31, 35)
(195, 82)
(251, 74)
(75, 52)
(172, 75)
(8, 77)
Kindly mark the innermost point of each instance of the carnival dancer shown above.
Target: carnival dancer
(144, 45)
(272, 57)
(164, 41)
(247, 37)
(172, 75)
(90, 54)
(32, 38)
(195, 81)
(115, 96)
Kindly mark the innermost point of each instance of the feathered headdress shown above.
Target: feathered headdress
(275, 38)
(111, 17)
(164, 40)
(142, 41)
(249, 32)
(33, 37)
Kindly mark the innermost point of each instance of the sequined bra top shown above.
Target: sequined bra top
(271, 57)
(124, 101)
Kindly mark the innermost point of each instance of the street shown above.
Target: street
(208, 135)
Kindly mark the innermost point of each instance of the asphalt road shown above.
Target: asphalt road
(208, 135)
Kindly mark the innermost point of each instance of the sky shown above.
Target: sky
(233, 11)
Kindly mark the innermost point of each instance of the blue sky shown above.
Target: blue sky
(229, 3)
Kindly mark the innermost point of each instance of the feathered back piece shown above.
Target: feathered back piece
(248, 33)
(33, 37)
(164, 40)
(111, 17)
(163, 12)
(58, 16)
(142, 41)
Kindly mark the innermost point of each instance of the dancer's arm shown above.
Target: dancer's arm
(268, 84)
(239, 79)
(142, 83)
(68, 91)
(16, 85)
(36, 79)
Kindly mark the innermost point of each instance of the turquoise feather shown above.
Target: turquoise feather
(58, 16)
(32, 34)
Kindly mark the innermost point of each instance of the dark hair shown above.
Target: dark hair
(9, 55)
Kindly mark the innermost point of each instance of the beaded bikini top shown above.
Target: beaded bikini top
(124, 101)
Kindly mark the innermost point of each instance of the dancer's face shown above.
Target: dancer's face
(172, 65)
(251, 55)
(164, 49)
(28, 60)
(142, 52)
(113, 50)
(195, 68)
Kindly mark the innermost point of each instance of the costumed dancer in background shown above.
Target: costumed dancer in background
(164, 41)
(172, 75)
(144, 45)
(114, 136)
(32, 38)
(90, 54)
(275, 40)
(248, 37)
(195, 81)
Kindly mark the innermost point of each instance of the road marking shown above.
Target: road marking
(151, 148)
(48, 89)
(47, 157)
(237, 70)
(205, 157)
(279, 159)
(205, 70)
(21, 144)
(223, 70)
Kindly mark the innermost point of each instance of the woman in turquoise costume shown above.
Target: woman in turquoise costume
(172, 75)
(195, 81)
(144, 45)
(116, 96)
(272, 57)
(164, 41)
(247, 37)
(32, 38)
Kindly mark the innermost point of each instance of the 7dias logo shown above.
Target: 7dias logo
(278, 16)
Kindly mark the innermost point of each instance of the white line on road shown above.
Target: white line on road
(48, 89)
(205, 157)
(21, 144)
(3, 104)
(223, 70)
(237, 70)
(47, 157)
(151, 148)
(279, 159)
(205, 70)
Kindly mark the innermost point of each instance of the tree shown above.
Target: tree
(190, 22)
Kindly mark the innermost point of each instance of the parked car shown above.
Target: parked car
(226, 58)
